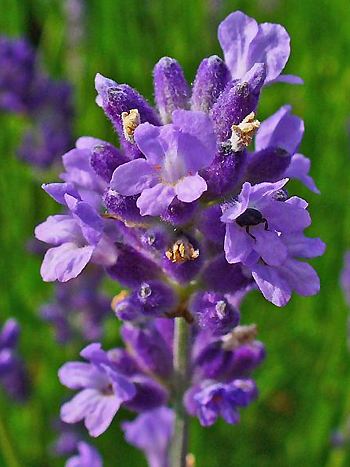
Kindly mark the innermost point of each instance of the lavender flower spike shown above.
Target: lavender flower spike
(174, 155)
(245, 42)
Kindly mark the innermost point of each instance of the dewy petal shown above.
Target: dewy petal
(65, 262)
(190, 188)
(133, 177)
(147, 139)
(237, 244)
(58, 229)
(301, 277)
(299, 168)
(272, 47)
(272, 284)
(236, 34)
(282, 130)
(270, 247)
(199, 125)
(236, 208)
(154, 201)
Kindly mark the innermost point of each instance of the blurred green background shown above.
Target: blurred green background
(305, 382)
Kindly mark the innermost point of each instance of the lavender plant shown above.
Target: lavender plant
(45, 103)
(189, 219)
(13, 374)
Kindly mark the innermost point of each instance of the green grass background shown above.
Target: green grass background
(305, 382)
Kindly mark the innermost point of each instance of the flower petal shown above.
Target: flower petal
(65, 262)
(299, 168)
(101, 414)
(147, 138)
(270, 247)
(190, 188)
(236, 34)
(78, 375)
(79, 406)
(58, 229)
(285, 217)
(238, 244)
(133, 177)
(272, 284)
(200, 126)
(301, 277)
(272, 47)
(282, 130)
(154, 201)
(234, 209)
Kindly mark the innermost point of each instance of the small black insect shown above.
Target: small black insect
(251, 217)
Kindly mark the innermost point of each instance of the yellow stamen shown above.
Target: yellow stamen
(242, 134)
(131, 120)
(181, 251)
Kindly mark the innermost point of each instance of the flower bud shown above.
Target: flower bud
(213, 312)
(238, 100)
(211, 79)
(105, 158)
(170, 87)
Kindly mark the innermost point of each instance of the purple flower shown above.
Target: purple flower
(87, 457)
(255, 220)
(102, 390)
(78, 237)
(17, 69)
(265, 234)
(211, 400)
(174, 155)
(151, 432)
(245, 43)
(13, 375)
(285, 131)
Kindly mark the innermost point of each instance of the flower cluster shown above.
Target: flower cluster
(26, 90)
(188, 218)
(13, 375)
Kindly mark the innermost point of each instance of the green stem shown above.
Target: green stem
(181, 374)
(6, 448)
